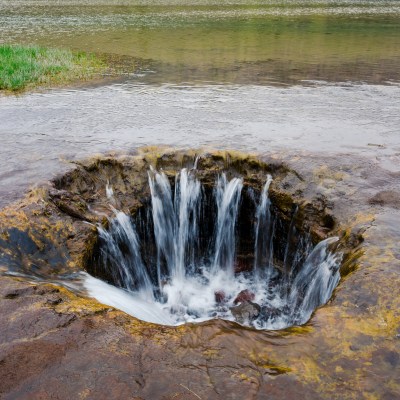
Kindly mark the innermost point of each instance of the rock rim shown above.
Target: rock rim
(57, 343)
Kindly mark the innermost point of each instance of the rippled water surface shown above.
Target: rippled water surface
(297, 76)
(39, 130)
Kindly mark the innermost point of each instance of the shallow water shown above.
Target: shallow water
(234, 44)
(39, 131)
(212, 73)
(246, 42)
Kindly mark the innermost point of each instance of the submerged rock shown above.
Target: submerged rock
(245, 312)
(386, 198)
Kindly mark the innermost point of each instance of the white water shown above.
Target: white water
(227, 197)
(189, 284)
(263, 249)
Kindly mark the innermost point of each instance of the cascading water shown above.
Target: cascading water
(227, 197)
(192, 275)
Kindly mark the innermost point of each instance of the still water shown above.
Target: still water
(246, 41)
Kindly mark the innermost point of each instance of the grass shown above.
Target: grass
(23, 67)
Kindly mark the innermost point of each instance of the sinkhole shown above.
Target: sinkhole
(206, 243)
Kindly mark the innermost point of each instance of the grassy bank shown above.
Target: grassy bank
(23, 67)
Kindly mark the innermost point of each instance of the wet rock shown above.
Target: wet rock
(243, 265)
(51, 335)
(68, 204)
(244, 295)
(245, 312)
(220, 296)
(269, 313)
(388, 198)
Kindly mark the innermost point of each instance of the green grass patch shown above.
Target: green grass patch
(24, 67)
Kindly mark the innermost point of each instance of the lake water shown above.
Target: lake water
(314, 76)
(234, 42)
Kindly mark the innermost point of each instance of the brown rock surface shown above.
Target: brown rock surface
(220, 296)
(55, 344)
(388, 198)
(245, 312)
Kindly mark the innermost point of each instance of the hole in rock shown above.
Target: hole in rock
(221, 247)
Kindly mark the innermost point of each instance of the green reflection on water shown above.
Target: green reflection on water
(248, 42)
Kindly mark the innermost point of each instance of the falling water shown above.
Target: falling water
(175, 220)
(192, 274)
(187, 206)
(121, 248)
(227, 197)
(263, 245)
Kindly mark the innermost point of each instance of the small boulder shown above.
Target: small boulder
(245, 312)
(220, 296)
(244, 295)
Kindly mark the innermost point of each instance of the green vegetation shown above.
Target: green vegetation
(29, 66)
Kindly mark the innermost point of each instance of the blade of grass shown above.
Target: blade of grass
(27, 66)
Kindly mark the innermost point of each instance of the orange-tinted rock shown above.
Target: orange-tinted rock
(55, 345)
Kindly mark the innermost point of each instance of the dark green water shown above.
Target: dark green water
(256, 42)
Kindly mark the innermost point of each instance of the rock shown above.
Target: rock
(386, 198)
(56, 345)
(243, 265)
(220, 296)
(244, 295)
(267, 313)
(245, 312)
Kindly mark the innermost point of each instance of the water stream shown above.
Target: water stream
(193, 274)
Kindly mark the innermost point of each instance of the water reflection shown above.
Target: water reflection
(219, 42)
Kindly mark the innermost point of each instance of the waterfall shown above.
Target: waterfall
(263, 244)
(184, 268)
(315, 282)
(175, 219)
(187, 208)
(121, 254)
(227, 197)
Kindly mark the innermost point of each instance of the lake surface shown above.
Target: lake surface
(39, 131)
(228, 42)
(293, 76)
